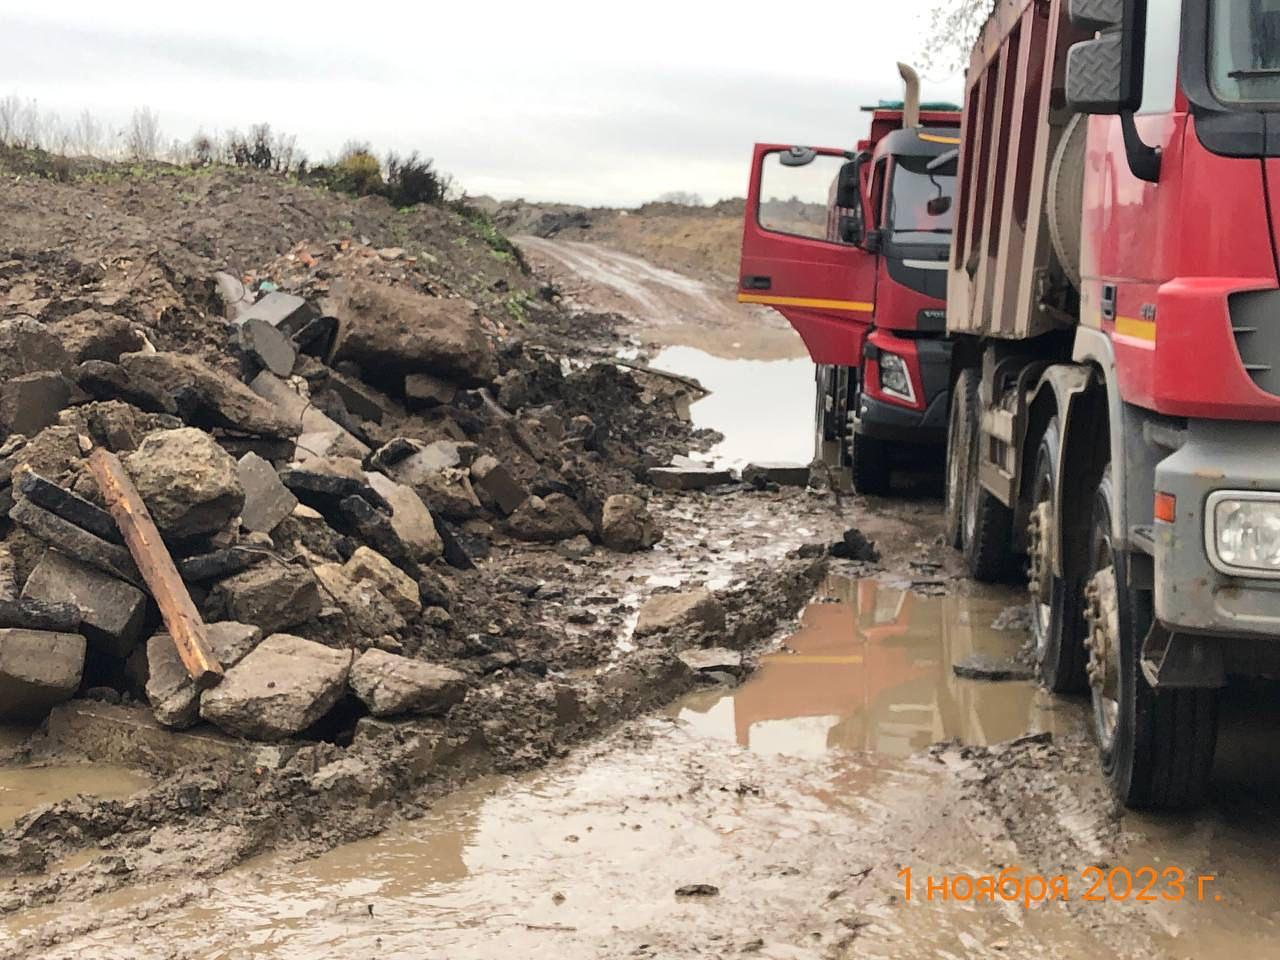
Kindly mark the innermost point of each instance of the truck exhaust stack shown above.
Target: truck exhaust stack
(910, 97)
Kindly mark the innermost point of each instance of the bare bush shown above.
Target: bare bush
(87, 135)
(682, 198)
(953, 28)
(142, 138)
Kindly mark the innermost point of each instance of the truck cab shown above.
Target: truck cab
(851, 246)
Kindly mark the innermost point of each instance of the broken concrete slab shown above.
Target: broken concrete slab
(38, 670)
(286, 311)
(712, 660)
(410, 518)
(111, 611)
(548, 519)
(423, 391)
(392, 331)
(219, 564)
(38, 615)
(391, 685)
(267, 347)
(68, 505)
(323, 484)
(190, 484)
(365, 611)
(369, 566)
(281, 688)
(204, 397)
(94, 335)
(28, 346)
(783, 474)
(271, 595)
(626, 525)
(31, 402)
(267, 501)
(359, 399)
(170, 690)
(696, 610)
(317, 434)
(496, 486)
(686, 478)
(75, 541)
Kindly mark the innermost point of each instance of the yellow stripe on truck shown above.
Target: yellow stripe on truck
(1138, 329)
(853, 306)
(934, 138)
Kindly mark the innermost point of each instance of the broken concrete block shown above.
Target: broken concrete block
(218, 564)
(497, 486)
(783, 474)
(204, 397)
(31, 402)
(190, 484)
(369, 566)
(318, 435)
(8, 575)
(280, 689)
(359, 399)
(626, 526)
(712, 660)
(267, 346)
(695, 609)
(70, 506)
(324, 483)
(546, 520)
(93, 335)
(38, 615)
(75, 541)
(283, 310)
(28, 346)
(365, 611)
(688, 477)
(267, 501)
(271, 596)
(111, 611)
(410, 518)
(392, 331)
(421, 390)
(170, 690)
(38, 670)
(391, 685)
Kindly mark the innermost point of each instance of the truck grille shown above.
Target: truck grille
(1255, 324)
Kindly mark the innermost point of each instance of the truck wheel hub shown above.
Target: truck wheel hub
(1040, 565)
(1102, 640)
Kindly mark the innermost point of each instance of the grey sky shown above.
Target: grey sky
(555, 100)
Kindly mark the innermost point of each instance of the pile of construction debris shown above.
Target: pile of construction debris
(252, 543)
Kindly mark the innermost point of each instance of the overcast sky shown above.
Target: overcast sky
(598, 103)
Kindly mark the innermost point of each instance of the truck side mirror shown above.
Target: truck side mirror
(851, 230)
(1104, 75)
(849, 185)
(872, 241)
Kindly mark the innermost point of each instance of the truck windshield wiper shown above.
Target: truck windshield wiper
(1254, 73)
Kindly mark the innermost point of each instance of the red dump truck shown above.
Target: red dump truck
(1114, 300)
(851, 247)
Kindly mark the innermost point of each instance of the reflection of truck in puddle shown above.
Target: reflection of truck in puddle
(870, 669)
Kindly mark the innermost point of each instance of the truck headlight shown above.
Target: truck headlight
(894, 378)
(1243, 533)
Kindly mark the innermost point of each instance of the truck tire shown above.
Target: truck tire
(988, 523)
(959, 430)
(1157, 750)
(870, 465)
(825, 440)
(1057, 624)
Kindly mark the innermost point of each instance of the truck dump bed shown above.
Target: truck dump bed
(1002, 258)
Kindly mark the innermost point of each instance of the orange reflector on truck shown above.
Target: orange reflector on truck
(1166, 507)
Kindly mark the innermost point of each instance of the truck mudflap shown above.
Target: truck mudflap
(1196, 592)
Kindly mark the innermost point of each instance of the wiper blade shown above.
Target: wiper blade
(1254, 73)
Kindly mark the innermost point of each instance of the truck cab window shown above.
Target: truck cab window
(794, 199)
(910, 218)
(1244, 50)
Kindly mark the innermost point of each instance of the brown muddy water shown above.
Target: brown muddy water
(22, 789)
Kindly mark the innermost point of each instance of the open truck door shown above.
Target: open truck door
(804, 247)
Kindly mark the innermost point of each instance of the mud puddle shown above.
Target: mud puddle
(22, 789)
(763, 408)
(871, 669)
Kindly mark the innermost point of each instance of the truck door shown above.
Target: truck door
(805, 216)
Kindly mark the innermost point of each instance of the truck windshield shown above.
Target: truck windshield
(1244, 50)
(913, 187)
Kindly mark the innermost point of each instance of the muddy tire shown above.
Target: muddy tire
(959, 430)
(988, 523)
(825, 438)
(1057, 623)
(1158, 750)
(870, 465)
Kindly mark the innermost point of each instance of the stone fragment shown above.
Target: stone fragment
(38, 670)
(422, 390)
(359, 399)
(318, 435)
(985, 666)
(170, 691)
(271, 596)
(75, 541)
(218, 564)
(32, 401)
(8, 575)
(281, 688)
(204, 397)
(496, 485)
(392, 331)
(111, 611)
(854, 545)
(286, 311)
(323, 485)
(236, 300)
(267, 501)
(688, 477)
(410, 518)
(93, 335)
(549, 519)
(697, 610)
(268, 346)
(28, 346)
(783, 474)
(70, 506)
(38, 615)
(374, 528)
(712, 660)
(626, 526)
(365, 611)
(369, 566)
(190, 484)
(391, 685)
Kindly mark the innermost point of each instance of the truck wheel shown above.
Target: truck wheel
(1157, 747)
(988, 523)
(959, 430)
(1056, 603)
(870, 465)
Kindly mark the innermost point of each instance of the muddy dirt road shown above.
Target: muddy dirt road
(771, 817)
